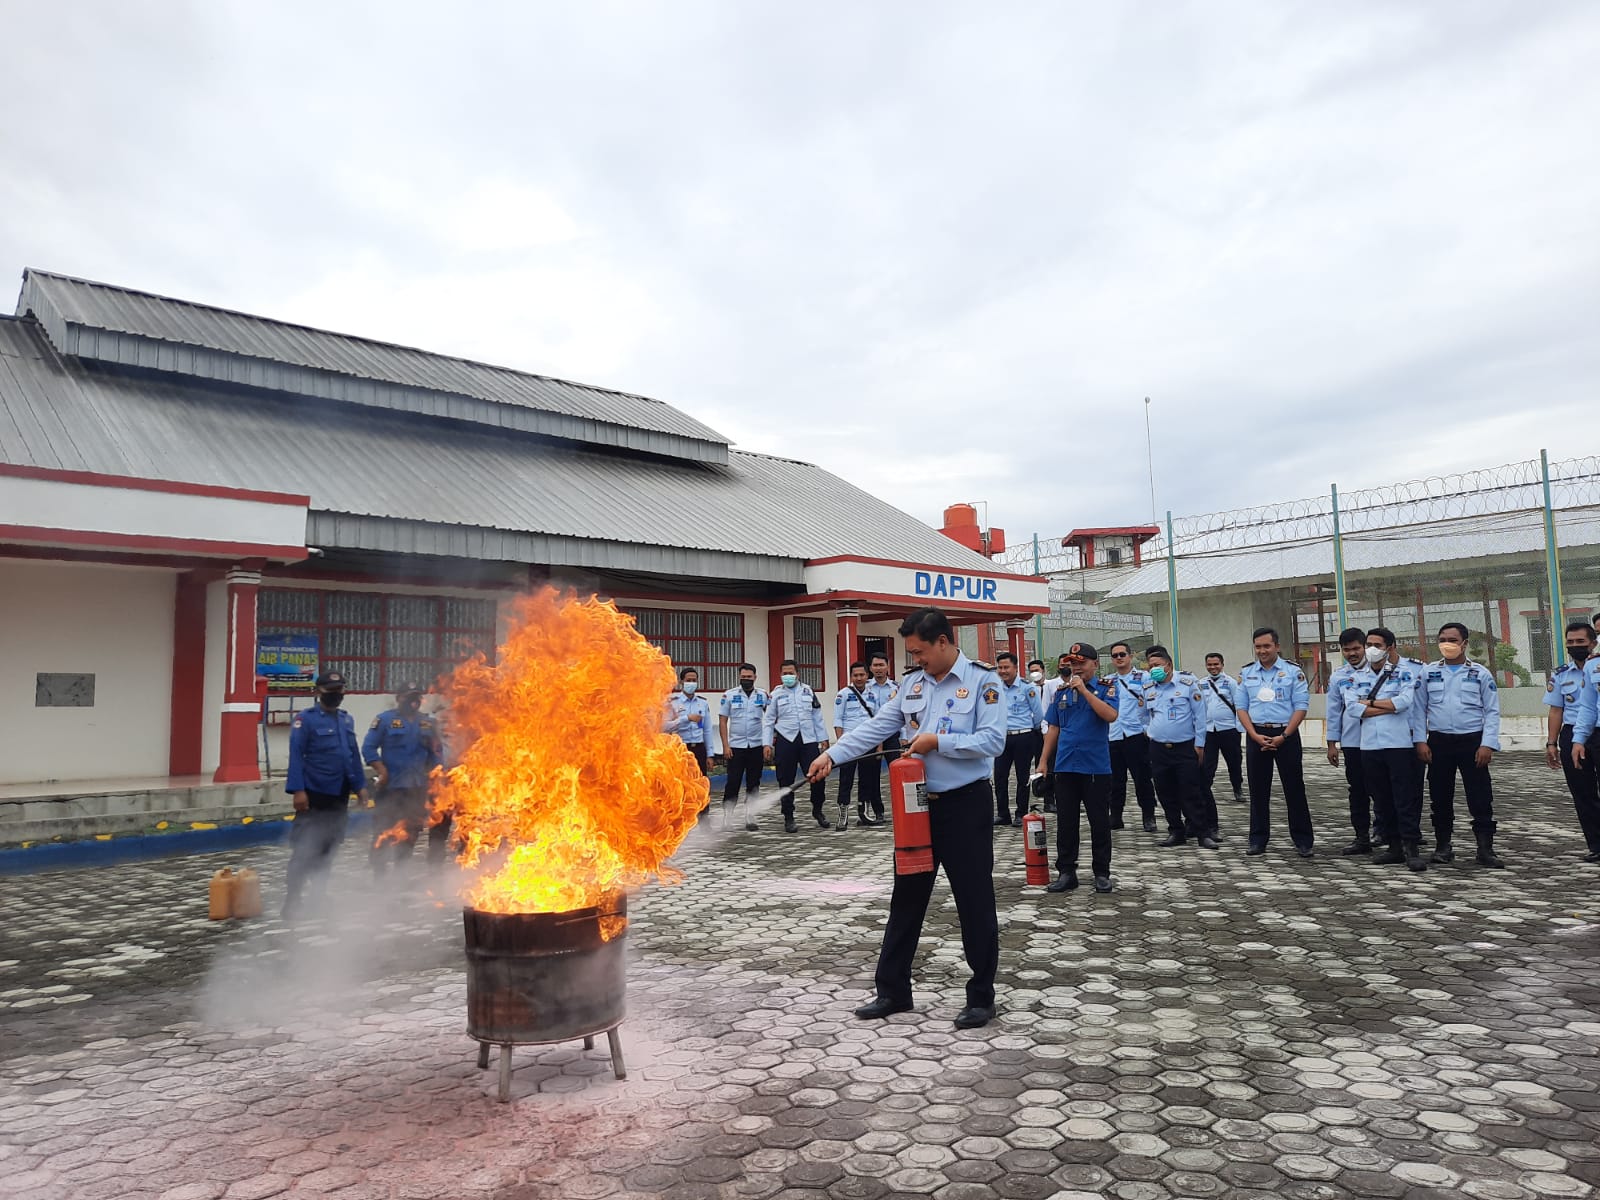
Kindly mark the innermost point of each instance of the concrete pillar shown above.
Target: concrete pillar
(1017, 642)
(849, 626)
(241, 711)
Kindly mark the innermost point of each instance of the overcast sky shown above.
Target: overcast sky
(943, 250)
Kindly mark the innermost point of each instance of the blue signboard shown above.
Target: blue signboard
(288, 661)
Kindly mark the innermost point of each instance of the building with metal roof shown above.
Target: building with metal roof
(242, 485)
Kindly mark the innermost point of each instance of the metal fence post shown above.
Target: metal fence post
(1338, 564)
(1038, 620)
(1172, 591)
(1552, 561)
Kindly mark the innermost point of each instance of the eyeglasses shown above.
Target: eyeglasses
(1119, 654)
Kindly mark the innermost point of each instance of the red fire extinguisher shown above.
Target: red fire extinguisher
(908, 796)
(1034, 852)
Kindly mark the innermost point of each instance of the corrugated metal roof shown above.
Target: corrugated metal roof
(387, 481)
(1461, 539)
(130, 328)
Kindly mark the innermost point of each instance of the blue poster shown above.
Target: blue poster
(288, 661)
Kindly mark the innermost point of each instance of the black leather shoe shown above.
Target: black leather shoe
(1149, 824)
(1237, 798)
(1049, 806)
(789, 826)
(1358, 846)
(1207, 843)
(1592, 856)
(877, 1010)
(1172, 839)
(1252, 851)
(1413, 857)
(1306, 851)
(1102, 883)
(823, 821)
(1393, 854)
(1063, 882)
(1016, 821)
(1116, 823)
(999, 821)
(973, 1017)
(1444, 852)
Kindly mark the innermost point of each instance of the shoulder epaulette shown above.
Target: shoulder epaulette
(981, 665)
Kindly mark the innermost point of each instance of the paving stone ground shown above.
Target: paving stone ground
(1217, 1027)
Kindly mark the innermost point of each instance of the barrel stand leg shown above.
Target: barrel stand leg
(505, 1073)
(617, 1066)
(588, 1043)
(483, 1056)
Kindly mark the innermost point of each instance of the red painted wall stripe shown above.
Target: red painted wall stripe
(139, 484)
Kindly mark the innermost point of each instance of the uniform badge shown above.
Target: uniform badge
(375, 721)
(991, 695)
(962, 693)
(296, 723)
(1551, 686)
(397, 723)
(916, 689)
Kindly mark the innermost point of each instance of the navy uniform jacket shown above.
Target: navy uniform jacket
(406, 743)
(1083, 747)
(322, 753)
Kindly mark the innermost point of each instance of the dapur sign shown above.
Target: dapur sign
(936, 585)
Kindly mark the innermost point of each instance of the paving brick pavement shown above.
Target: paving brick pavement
(1219, 1026)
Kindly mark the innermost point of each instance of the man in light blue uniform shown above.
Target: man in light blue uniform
(1385, 695)
(1275, 700)
(741, 718)
(950, 710)
(1562, 695)
(1174, 714)
(1463, 712)
(853, 705)
(1024, 712)
(1130, 749)
(1221, 693)
(880, 691)
(793, 736)
(1586, 718)
(689, 716)
(1346, 687)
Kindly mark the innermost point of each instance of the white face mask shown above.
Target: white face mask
(1376, 654)
(690, 687)
(1036, 676)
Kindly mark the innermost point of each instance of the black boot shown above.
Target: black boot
(1394, 854)
(1444, 852)
(1414, 858)
(788, 823)
(1486, 855)
(821, 818)
(1360, 845)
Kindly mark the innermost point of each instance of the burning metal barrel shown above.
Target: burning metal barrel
(534, 979)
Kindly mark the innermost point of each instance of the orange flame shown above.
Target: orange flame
(566, 789)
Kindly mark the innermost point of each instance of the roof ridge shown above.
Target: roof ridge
(798, 462)
(372, 341)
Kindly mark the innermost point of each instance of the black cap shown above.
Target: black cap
(330, 681)
(409, 689)
(1083, 650)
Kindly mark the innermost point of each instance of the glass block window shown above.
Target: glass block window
(712, 643)
(378, 642)
(808, 649)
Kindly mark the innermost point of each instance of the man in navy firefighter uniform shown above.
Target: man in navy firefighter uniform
(402, 746)
(951, 711)
(324, 768)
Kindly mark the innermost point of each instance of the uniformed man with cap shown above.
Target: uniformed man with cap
(1175, 722)
(402, 746)
(950, 710)
(793, 736)
(1463, 715)
(1563, 696)
(324, 769)
(1275, 698)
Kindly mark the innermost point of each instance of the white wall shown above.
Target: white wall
(113, 622)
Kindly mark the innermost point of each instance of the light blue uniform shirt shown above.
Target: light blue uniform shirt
(1174, 710)
(794, 713)
(1563, 691)
(1388, 731)
(1272, 695)
(746, 717)
(680, 720)
(1588, 703)
(1024, 711)
(1221, 694)
(1130, 703)
(881, 693)
(848, 709)
(963, 708)
(1462, 699)
(1347, 687)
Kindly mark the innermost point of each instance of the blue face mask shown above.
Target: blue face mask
(690, 687)
(790, 680)
(1157, 674)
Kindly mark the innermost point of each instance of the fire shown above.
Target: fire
(566, 790)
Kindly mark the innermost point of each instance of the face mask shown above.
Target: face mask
(790, 680)
(1578, 653)
(1451, 649)
(331, 699)
(1036, 676)
(1376, 654)
(411, 704)
(690, 687)
(747, 686)
(1157, 674)
(1063, 670)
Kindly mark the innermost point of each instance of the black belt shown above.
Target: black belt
(958, 792)
(1018, 732)
(1259, 728)
(1177, 745)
